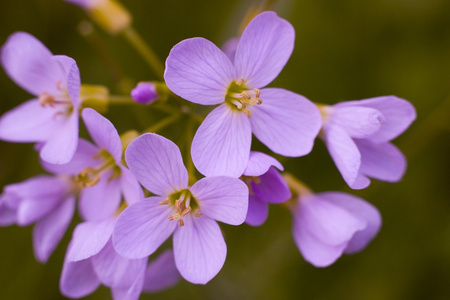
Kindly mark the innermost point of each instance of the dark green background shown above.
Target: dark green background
(345, 50)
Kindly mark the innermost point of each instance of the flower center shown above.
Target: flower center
(63, 99)
(240, 97)
(91, 176)
(184, 203)
(248, 181)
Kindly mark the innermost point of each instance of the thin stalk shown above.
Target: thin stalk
(163, 123)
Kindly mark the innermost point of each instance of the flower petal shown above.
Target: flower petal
(89, 238)
(382, 161)
(78, 279)
(198, 71)
(222, 198)
(100, 201)
(257, 211)
(364, 210)
(285, 122)
(265, 47)
(60, 148)
(322, 230)
(199, 249)
(344, 153)
(142, 227)
(83, 158)
(161, 273)
(259, 163)
(7, 213)
(131, 190)
(229, 48)
(73, 83)
(221, 145)
(49, 231)
(103, 132)
(157, 164)
(398, 115)
(131, 293)
(271, 187)
(116, 271)
(29, 63)
(357, 122)
(29, 122)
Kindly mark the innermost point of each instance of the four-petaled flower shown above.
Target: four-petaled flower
(198, 71)
(190, 213)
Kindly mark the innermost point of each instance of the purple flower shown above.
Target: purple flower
(48, 201)
(99, 169)
(52, 118)
(358, 135)
(329, 224)
(199, 247)
(266, 186)
(200, 72)
(145, 93)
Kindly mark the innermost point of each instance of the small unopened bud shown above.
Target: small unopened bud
(145, 93)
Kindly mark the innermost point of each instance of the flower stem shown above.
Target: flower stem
(163, 123)
(147, 53)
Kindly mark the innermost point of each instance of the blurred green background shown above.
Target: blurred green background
(345, 50)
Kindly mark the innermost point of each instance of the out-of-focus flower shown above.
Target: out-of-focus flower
(266, 186)
(145, 93)
(199, 246)
(99, 169)
(48, 201)
(358, 135)
(109, 14)
(198, 71)
(326, 225)
(52, 118)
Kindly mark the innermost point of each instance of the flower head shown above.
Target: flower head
(190, 213)
(145, 93)
(199, 72)
(326, 225)
(50, 119)
(358, 135)
(99, 170)
(266, 186)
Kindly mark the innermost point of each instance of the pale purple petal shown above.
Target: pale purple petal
(222, 198)
(199, 249)
(344, 153)
(103, 132)
(29, 122)
(323, 229)
(101, 200)
(157, 164)
(259, 163)
(357, 122)
(198, 71)
(73, 85)
(161, 273)
(229, 48)
(257, 211)
(382, 161)
(116, 271)
(131, 189)
(64, 62)
(265, 47)
(361, 208)
(131, 293)
(83, 158)
(29, 63)
(49, 231)
(361, 181)
(7, 213)
(142, 227)
(89, 238)
(145, 93)
(78, 279)
(271, 187)
(398, 115)
(60, 148)
(285, 122)
(85, 3)
(221, 145)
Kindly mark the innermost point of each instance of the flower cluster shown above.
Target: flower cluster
(124, 224)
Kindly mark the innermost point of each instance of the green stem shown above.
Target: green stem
(163, 123)
(120, 100)
(189, 162)
(147, 53)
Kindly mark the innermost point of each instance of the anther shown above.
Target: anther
(175, 216)
(239, 81)
(177, 204)
(238, 104)
(181, 222)
(246, 95)
(164, 202)
(186, 211)
(197, 213)
(45, 98)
